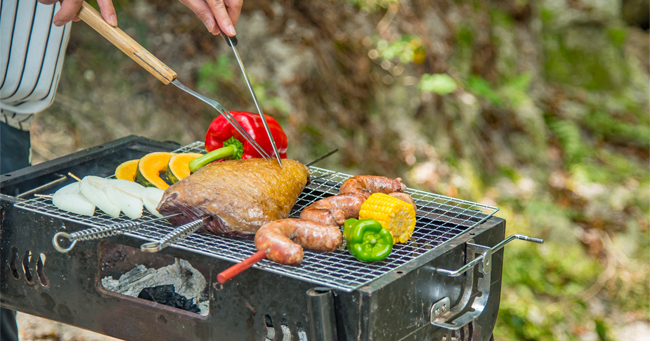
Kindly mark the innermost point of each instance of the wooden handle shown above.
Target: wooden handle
(125, 43)
(236, 269)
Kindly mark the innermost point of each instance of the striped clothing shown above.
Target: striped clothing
(32, 50)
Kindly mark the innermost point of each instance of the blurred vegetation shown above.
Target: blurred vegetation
(537, 107)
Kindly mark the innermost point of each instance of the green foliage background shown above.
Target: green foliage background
(538, 108)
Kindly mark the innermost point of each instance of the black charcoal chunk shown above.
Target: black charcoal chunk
(165, 294)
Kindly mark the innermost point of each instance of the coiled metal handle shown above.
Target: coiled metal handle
(98, 233)
(176, 235)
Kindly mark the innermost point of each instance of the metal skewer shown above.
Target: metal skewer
(99, 233)
(232, 43)
(322, 157)
(61, 179)
(176, 235)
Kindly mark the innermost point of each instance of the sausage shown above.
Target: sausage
(406, 198)
(368, 184)
(317, 227)
(334, 210)
(285, 238)
(354, 191)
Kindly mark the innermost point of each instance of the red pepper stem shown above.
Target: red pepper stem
(214, 155)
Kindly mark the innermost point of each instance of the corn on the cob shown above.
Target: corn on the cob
(395, 215)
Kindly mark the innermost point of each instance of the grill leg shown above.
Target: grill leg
(320, 302)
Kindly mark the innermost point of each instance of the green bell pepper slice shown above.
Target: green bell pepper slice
(367, 240)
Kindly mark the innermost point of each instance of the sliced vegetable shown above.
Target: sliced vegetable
(151, 196)
(69, 189)
(395, 215)
(70, 199)
(127, 196)
(178, 166)
(91, 187)
(367, 240)
(127, 170)
(150, 168)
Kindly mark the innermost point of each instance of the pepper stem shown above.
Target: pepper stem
(232, 149)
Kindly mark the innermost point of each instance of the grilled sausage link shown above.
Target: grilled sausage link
(317, 227)
(334, 210)
(285, 238)
(406, 198)
(368, 184)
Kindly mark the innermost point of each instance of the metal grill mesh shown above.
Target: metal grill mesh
(439, 220)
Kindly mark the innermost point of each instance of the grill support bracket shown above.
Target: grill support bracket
(320, 303)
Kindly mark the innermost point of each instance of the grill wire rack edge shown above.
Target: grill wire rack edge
(440, 219)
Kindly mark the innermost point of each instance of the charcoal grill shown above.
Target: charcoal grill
(411, 295)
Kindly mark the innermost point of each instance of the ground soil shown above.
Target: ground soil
(33, 328)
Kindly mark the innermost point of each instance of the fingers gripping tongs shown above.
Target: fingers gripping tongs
(166, 75)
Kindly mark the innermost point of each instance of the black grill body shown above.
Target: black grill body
(256, 305)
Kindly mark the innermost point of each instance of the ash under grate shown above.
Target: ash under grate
(439, 220)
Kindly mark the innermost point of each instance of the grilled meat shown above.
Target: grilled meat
(285, 238)
(354, 191)
(334, 210)
(406, 198)
(239, 195)
(368, 184)
(317, 227)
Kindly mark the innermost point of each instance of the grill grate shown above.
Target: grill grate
(439, 220)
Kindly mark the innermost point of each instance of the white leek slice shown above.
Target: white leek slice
(127, 196)
(91, 187)
(151, 196)
(69, 189)
(70, 199)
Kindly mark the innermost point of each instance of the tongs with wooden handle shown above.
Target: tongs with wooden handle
(152, 64)
(125, 43)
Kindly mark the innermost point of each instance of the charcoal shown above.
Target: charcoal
(190, 282)
(165, 294)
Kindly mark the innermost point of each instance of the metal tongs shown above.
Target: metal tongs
(166, 75)
(232, 42)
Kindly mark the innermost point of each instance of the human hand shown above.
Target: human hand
(70, 8)
(226, 13)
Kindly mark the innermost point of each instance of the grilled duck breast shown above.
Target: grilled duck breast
(239, 195)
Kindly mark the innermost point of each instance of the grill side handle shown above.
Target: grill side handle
(442, 314)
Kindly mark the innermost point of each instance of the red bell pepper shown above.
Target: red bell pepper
(220, 131)
(223, 141)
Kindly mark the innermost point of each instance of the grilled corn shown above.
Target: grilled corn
(395, 215)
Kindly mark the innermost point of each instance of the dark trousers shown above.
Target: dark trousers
(14, 155)
(14, 149)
